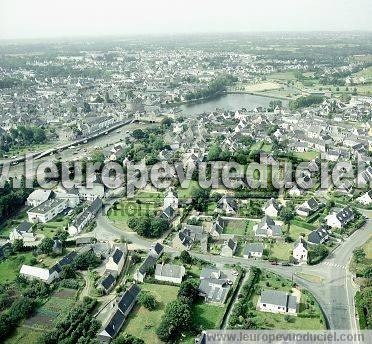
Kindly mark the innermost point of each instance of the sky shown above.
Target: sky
(77, 18)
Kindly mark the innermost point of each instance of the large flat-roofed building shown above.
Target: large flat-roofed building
(47, 210)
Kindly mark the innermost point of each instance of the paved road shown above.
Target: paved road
(335, 293)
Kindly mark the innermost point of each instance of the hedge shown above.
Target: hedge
(360, 310)
(303, 224)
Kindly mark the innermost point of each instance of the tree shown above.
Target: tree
(175, 320)
(185, 257)
(86, 260)
(127, 338)
(61, 235)
(214, 152)
(18, 245)
(200, 198)
(359, 255)
(287, 213)
(68, 271)
(46, 246)
(147, 300)
(189, 290)
(139, 134)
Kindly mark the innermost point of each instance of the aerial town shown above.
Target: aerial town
(88, 263)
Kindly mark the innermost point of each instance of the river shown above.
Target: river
(227, 102)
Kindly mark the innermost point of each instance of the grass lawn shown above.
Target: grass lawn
(310, 278)
(281, 250)
(127, 209)
(148, 196)
(306, 155)
(211, 208)
(143, 323)
(295, 231)
(207, 316)
(9, 268)
(186, 193)
(24, 335)
(237, 227)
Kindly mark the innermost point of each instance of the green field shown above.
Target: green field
(295, 231)
(281, 250)
(306, 155)
(9, 268)
(143, 323)
(186, 193)
(120, 213)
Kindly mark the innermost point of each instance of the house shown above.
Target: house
(295, 191)
(116, 261)
(340, 219)
(107, 283)
(23, 232)
(228, 249)
(68, 259)
(217, 228)
(308, 207)
(156, 250)
(171, 200)
(228, 205)
(318, 236)
(85, 217)
(168, 214)
(119, 315)
(91, 193)
(253, 250)
(47, 210)
(214, 285)
(187, 236)
(57, 247)
(275, 301)
(267, 228)
(37, 197)
(33, 272)
(272, 208)
(169, 273)
(365, 199)
(300, 250)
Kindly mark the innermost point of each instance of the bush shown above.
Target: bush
(70, 283)
(147, 300)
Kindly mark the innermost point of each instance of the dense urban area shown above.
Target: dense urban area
(94, 264)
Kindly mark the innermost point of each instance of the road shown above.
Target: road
(335, 293)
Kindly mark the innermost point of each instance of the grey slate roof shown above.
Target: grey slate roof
(118, 254)
(24, 227)
(253, 247)
(278, 298)
(108, 281)
(169, 270)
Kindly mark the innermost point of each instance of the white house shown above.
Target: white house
(308, 207)
(272, 208)
(253, 250)
(340, 219)
(115, 263)
(37, 197)
(170, 200)
(33, 272)
(365, 199)
(300, 250)
(91, 193)
(46, 211)
(228, 248)
(169, 273)
(23, 232)
(274, 301)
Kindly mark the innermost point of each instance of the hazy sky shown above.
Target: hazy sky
(65, 18)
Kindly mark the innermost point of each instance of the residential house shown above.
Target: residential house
(275, 301)
(171, 200)
(318, 236)
(91, 193)
(85, 217)
(107, 283)
(308, 207)
(267, 228)
(33, 272)
(365, 199)
(23, 232)
(57, 247)
(169, 273)
(217, 228)
(228, 205)
(214, 285)
(253, 250)
(119, 315)
(228, 249)
(341, 218)
(38, 196)
(116, 261)
(300, 251)
(272, 208)
(188, 235)
(47, 210)
(156, 250)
